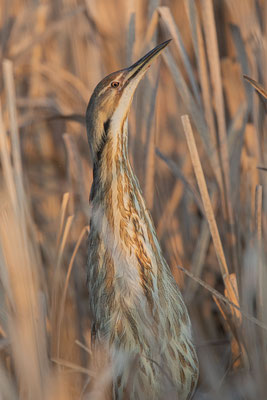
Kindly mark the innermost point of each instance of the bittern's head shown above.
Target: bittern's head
(110, 102)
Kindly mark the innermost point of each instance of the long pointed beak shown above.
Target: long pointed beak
(144, 63)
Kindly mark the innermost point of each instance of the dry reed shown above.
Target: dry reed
(52, 55)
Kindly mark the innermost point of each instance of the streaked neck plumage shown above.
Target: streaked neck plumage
(116, 196)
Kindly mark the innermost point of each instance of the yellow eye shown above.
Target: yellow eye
(115, 84)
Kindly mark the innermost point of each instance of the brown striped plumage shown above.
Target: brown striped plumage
(139, 320)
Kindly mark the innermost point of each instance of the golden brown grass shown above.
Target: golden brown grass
(204, 178)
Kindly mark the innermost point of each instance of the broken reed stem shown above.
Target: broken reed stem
(205, 196)
(231, 290)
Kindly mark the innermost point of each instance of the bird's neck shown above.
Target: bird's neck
(112, 169)
(116, 194)
(120, 224)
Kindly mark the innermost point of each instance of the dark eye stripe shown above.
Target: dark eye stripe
(106, 126)
(103, 140)
(99, 152)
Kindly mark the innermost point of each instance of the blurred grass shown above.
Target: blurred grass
(52, 55)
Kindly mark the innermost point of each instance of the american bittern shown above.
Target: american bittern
(137, 312)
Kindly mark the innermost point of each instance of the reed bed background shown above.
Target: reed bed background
(202, 175)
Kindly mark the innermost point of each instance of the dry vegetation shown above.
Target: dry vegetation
(204, 188)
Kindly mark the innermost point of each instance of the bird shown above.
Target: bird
(138, 317)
